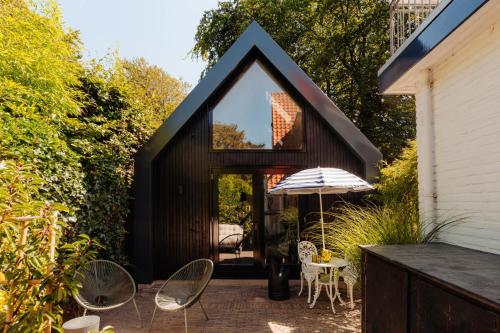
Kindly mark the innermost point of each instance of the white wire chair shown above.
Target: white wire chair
(184, 288)
(105, 286)
(309, 273)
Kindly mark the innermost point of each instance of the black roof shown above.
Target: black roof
(256, 37)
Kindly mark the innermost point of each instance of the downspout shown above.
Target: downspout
(427, 196)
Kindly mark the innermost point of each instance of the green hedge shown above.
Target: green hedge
(77, 123)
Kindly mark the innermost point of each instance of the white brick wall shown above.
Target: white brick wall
(466, 99)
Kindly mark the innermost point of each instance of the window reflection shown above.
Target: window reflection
(281, 218)
(256, 113)
(236, 228)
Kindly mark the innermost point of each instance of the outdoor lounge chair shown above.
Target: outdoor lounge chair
(231, 237)
(232, 244)
(105, 286)
(184, 288)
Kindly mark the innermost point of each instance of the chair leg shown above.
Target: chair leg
(203, 309)
(330, 288)
(336, 284)
(309, 290)
(138, 314)
(350, 287)
(317, 291)
(185, 321)
(328, 292)
(301, 284)
(84, 312)
(152, 318)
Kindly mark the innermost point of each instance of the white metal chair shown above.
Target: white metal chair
(350, 276)
(184, 288)
(105, 286)
(309, 273)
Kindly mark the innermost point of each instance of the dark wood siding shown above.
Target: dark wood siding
(182, 184)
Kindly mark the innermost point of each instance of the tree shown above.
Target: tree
(157, 92)
(38, 69)
(77, 124)
(121, 107)
(339, 44)
(227, 136)
(233, 210)
(67, 140)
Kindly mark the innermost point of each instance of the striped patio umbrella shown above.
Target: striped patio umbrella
(321, 181)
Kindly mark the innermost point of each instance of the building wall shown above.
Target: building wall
(182, 189)
(466, 120)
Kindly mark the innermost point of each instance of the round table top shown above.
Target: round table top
(333, 263)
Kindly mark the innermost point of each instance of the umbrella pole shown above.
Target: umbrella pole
(298, 230)
(321, 219)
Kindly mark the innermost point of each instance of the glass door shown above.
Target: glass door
(281, 221)
(237, 224)
(236, 230)
(250, 225)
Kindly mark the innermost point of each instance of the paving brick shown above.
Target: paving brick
(239, 306)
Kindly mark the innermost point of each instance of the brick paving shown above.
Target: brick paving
(239, 306)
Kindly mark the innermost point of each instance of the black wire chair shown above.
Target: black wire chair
(231, 246)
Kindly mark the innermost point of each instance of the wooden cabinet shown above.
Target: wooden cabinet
(421, 288)
(432, 309)
(384, 296)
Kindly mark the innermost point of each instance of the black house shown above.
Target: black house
(201, 181)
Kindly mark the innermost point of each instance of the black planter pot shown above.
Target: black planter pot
(278, 288)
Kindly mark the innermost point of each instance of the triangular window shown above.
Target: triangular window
(257, 113)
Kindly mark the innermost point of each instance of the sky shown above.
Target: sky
(161, 31)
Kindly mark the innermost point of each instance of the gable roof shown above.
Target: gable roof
(256, 37)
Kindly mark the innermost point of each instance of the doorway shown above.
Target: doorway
(248, 224)
(237, 213)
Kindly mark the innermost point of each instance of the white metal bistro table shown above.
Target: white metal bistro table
(332, 285)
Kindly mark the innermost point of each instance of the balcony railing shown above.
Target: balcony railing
(406, 16)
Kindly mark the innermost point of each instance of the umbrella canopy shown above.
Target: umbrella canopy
(321, 181)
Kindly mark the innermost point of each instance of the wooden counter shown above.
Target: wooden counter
(430, 288)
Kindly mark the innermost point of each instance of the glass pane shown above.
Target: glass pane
(281, 218)
(257, 113)
(236, 236)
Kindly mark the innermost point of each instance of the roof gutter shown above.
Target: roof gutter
(445, 19)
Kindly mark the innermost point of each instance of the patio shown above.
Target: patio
(240, 306)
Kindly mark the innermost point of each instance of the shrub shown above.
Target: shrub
(399, 180)
(76, 124)
(36, 266)
(352, 225)
(121, 108)
(393, 219)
